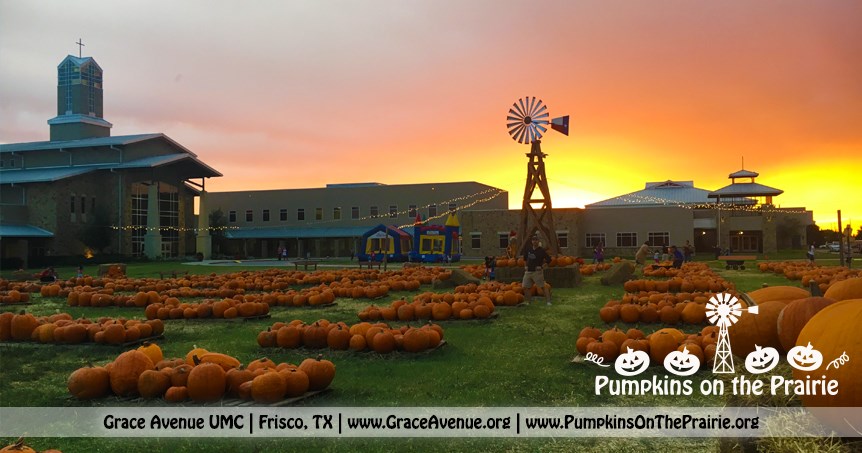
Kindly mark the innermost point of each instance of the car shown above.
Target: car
(834, 247)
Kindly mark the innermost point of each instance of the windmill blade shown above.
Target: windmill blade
(541, 110)
(736, 313)
(514, 118)
(537, 134)
(515, 115)
(519, 111)
(531, 106)
(753, 309)
(541, 118)
(523, 107)
(732, 318)
(542, 129)
(712, 318)
(515, 129)
(521, 133)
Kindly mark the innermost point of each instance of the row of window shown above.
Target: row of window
(626, 239)
(355, 213)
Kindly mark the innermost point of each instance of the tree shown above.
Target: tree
(859, 233)
(786, 231)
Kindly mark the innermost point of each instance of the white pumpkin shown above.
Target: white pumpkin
(632, 362)
(761, 360)
(804, 358)
(681, 363)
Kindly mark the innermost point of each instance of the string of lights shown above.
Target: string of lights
(749, 206)
(445, 204)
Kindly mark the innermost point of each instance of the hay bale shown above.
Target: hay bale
(619, 273)
(461, 277)
(558, 277)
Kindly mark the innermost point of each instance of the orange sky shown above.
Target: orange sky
(301, 94)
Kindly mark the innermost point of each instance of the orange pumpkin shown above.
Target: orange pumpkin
(850, 288)
(756, 330)
(795, 315)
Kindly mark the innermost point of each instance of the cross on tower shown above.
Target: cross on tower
(80, 47)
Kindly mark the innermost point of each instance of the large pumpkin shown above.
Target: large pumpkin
(320, 372)
(206, 382)
(759, 329)
(850, 288)
(795, 315)
(834, 331)
(126, 370)
(89, 382)
(783, 293)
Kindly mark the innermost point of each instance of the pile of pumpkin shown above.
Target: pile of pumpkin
(14, 296)
(446, 308)
(313, 296)
(556, 261)
(364, 336)
(201, 376)
(221, 309)
(614, 342)
(826, 276)
(665, 311)
(61, 328)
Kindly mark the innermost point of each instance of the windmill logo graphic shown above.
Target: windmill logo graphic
(724, 310)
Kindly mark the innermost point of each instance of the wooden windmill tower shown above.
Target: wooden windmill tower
(527, 121)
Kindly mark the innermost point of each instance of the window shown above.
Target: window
(318, 213)
(249, 215)
(336, 213)
(503, 239)
(72, 204)
(83, 204)
(265, 215)
(411, 211)
(373, 211)
(393, 211)
(432, 210)
(139, 217)
(627, 239)
(169, 220)
(282, 215)
(354, 212)
(661, 239)
(93, 205)
(475, 240)
(594, 239)
(453, 207)
(300, 214)
(231, 216)
(563, 239)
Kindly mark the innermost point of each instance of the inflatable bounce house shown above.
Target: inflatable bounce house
(384, 240)
(436, 243)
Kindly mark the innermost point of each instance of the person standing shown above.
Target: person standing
(642, 254)
(688, 251)
(599, 254)
(534, 274)
(810, 255)
(678, 256)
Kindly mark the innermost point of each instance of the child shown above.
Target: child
(656, 256)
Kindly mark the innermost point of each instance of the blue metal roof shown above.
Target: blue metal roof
(23, 231)
(84, 143)
(30, 175)
(296, 232)
(657, 194)
(745, 189)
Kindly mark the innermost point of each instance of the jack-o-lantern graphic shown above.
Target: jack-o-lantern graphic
(804, 358)
(632, 363)
(681, 363)
(761, 360)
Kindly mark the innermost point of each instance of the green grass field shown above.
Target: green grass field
(521, 358)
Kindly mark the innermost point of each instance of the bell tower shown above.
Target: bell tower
(79, 101)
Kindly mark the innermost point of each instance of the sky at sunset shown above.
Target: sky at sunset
(290, 94)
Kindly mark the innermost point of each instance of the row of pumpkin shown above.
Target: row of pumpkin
(61, 328)
(202, 376)
(363, 336)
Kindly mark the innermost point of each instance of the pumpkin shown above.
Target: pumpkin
(338, 338)
(176, 394)
(153, 351)
(383, 342)
(582, 343)
(783, 293)
(761, 360)
(756, 329)
(6, 326)
(615, 336)
(314, 336)
(196, 351)
(693, 313)
(682, 363)
(606, 350)
(22, 326)
(126, 370)
(320, 372)
(661, 344)
(677, 334)
(206, 382)
(609, 314)
(795, 315)
(261, 363)
(223, 360)
(668, 315)
(850, 288)
(357, 342)
(590, 331)
(834, 331)
(296, 382)
(289, 337)
(415, 340)
(89, 382)
(629, 313)
(180, 376)
(236, 377)
(632, 362)
(268, 387)
(152, 383)
(266, 338)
